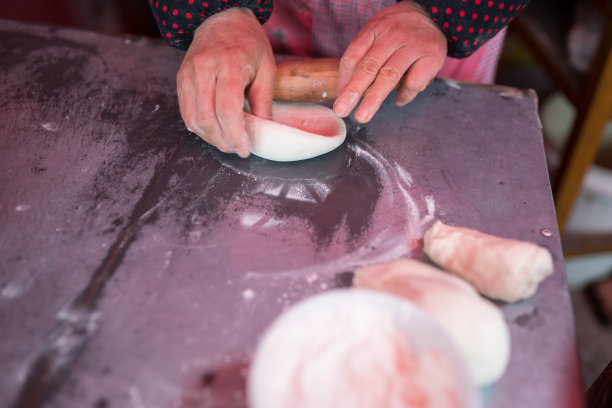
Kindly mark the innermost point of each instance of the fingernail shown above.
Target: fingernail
(243, 152)
(341, 108)
(343, 104)
(363, 115)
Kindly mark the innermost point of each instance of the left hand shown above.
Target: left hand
(399, 39)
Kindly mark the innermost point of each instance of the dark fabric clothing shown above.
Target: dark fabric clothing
(178, 19)
(467, 24)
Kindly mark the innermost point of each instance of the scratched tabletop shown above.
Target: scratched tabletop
(139, 266)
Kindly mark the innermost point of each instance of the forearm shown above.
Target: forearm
(177, 20)
(469, 24)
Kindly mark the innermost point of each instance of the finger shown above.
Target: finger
(356, 50)
(261, 91)
(188, 105)
(386, 80)
(205, 122)
(363, 76)
(229, 107)
(186, 99)
(419, 75)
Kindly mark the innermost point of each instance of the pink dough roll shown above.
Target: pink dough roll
(500, 268)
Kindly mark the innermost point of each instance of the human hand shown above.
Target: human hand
(229, 52)
(399, 39)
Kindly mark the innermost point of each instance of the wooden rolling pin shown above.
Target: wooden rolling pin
(308, 80)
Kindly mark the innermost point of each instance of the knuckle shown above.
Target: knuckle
(233, 55)
(201, 60)
(349, 59)
(390, 74)
(417, 84)
(369, 66)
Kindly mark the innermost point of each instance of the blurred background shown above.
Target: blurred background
(107, 16)
(563, 51)
(560, 49)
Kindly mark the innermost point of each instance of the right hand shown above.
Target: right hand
(400, 39)
(229, 52)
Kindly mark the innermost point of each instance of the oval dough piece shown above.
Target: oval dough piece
(359, 349)
(298, 131)
(477, 325)
(500, 268)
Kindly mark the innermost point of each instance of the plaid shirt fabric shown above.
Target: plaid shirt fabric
(326, 28)
(336, 23)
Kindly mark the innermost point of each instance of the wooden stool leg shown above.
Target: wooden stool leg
(599, 394)
(587, 131)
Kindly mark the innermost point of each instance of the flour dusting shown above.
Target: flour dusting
(248, 294)
(321, 189)
(299, 192)
(387, 239)
(404, 175)
(273, 189)
(50, 126)
(249, 219)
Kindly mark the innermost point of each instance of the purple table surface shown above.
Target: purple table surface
(139, 266)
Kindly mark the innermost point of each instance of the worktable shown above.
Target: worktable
(139, 266)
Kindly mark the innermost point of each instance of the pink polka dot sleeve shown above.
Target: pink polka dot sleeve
(178, 19)
(468, 24)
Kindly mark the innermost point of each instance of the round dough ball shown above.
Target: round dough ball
(358, 348)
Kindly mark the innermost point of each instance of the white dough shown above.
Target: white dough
(476, 325)
(298, 131)
(500, 268)
(358, 349)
